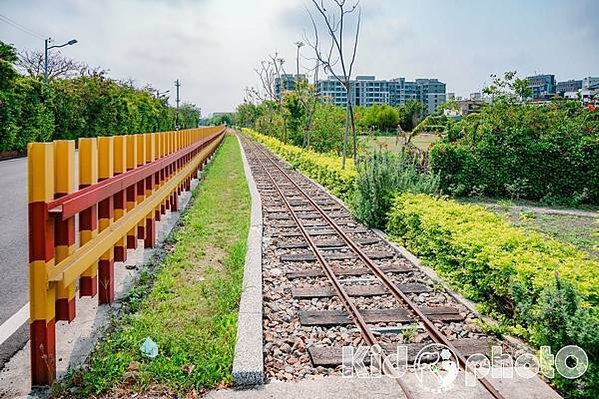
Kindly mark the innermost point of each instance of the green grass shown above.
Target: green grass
(582, 232)
(189, 304)
(422, 141)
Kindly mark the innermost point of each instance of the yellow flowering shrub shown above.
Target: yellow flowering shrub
(537, 287)
(483, 253)
(325, 169)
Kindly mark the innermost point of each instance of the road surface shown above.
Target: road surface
(14, 293)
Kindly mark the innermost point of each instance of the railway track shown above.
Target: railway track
(329, 283)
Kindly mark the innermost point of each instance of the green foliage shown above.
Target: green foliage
(508, 88)
(247, 114)
(325, 169)
(327, 129)
(8, 56)
(380, 117)
(540, 152)
(380, 177)
(512, 272)
(410, 114)
(560, 318)
(437, 122)
(85, 106)
(221, 119)
(294, 112)
(514, 149)
(189, 303)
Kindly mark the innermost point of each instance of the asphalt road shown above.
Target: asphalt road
(14, 293)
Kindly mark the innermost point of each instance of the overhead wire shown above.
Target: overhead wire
(22, 28)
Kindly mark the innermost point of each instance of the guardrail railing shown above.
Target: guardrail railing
(126, 183)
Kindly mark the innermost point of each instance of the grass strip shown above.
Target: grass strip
(189, 303)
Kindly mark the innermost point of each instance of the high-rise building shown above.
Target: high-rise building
(589, 82)
(568, 86)
(332, 90)
(367, 91)
(287, 83)
(542, 86)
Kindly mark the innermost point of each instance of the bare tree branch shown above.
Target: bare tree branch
(334, 23)
(59, 66)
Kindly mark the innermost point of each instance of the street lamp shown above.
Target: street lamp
(46, 48)
(299, 45)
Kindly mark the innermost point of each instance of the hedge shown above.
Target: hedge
(85, 106)
(539, 288)
(325, 169)
(546, 152)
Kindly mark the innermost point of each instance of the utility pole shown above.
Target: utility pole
(46, 61)
(177, 85)
(297, 61)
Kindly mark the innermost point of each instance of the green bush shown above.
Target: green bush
(510, 271)
(85, 106)
(380, 177)
(544, 152)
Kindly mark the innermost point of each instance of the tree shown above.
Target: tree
(410, 114)
(294, 112)
(222, 119)
(335, 53)
(8, 57)
(59, 66)
(247, 113)
(268, 72)
(508, 88)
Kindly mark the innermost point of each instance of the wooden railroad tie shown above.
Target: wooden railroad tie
(307, 257)
(356, 290)
(332, 356)
(373, 316)
(354, 271)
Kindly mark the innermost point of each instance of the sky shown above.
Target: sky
(213, 46)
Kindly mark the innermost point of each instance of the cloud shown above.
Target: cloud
(213, 46)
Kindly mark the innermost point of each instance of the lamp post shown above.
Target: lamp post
(46, 48)
(297, 76)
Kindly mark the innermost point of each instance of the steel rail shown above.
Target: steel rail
(434, 332)
(341, 293)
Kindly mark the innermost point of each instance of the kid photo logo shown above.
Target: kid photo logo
(436, 366)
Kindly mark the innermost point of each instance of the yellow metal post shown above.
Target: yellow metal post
(131, 190)
(42, 294)
(105, 218)
(64, 232)
(119, 199)
(88, 219)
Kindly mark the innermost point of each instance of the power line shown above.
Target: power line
(20, 27)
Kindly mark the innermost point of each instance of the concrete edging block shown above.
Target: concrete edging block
(248, 361)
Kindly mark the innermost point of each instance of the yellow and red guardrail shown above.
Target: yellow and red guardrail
(125, 184)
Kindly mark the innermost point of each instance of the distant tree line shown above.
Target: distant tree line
(78, 101)
(320, 126)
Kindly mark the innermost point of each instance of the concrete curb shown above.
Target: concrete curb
(248, 363)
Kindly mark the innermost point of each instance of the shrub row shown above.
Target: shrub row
(325, 169)
(541, 289)
(540, 152)
(84, 106)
